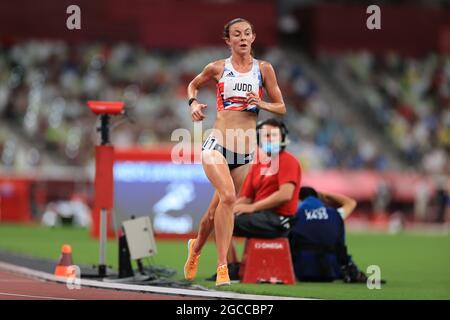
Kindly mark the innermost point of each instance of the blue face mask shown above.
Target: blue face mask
(271, 148)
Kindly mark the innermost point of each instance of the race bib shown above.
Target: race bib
(240, 86)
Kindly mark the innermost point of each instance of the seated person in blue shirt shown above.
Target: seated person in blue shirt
(317, 238)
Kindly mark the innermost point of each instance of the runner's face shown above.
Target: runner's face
(241, 38)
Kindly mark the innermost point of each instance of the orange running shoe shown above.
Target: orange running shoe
(191, 265)
(222, 277)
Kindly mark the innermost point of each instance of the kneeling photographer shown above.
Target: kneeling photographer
(317, 238)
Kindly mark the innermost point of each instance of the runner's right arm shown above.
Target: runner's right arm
(209, 73)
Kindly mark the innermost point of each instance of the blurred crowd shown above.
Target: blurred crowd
(318, 135)
(44, 87)
(409, 98)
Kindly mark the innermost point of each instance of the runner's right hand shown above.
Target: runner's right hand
(196, 111)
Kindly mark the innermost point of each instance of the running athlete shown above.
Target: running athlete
(240, 80)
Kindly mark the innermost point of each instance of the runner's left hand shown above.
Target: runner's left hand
(254, 99)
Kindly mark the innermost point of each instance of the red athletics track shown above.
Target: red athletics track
(17, 287)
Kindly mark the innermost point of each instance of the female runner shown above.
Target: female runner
(240, 80)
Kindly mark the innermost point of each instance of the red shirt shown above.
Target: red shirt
(261, 181)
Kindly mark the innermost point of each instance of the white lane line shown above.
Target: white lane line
(30, 296)
(144, 288)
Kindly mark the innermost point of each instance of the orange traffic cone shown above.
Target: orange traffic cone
(65, 261)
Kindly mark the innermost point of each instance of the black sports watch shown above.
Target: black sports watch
(192, 100)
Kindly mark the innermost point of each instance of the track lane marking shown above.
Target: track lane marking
(32, 296)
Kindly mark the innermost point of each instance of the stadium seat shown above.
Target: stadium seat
(267, 261)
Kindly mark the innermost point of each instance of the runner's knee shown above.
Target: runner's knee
(227, 197)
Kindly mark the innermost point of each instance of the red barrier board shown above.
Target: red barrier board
(15, 200)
